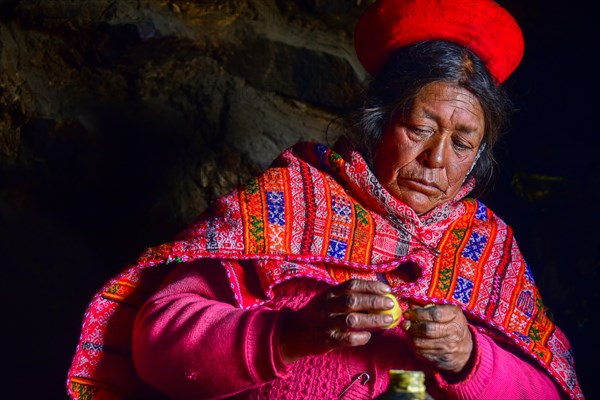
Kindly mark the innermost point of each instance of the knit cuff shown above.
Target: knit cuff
(262, 355)
(476, 380)
(281, 368)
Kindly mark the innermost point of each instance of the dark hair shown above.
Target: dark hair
(407, 72)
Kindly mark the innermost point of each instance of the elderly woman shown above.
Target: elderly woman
(279, 290)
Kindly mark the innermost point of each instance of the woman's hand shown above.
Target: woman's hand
(339, 317)
(440, 334)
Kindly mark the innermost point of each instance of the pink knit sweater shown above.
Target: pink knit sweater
(191, 342)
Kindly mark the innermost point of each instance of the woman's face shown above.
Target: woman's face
(426, 153)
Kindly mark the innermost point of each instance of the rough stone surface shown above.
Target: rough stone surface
(220, 78)
(120, 121)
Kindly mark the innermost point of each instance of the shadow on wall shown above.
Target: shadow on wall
(87, 197)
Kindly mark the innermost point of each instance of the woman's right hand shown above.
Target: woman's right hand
(338, 317)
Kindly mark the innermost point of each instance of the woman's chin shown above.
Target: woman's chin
(420, 202)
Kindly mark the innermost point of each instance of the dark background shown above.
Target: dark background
(549, 181)
(56, 257)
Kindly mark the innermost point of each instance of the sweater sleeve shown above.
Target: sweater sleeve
(191, 342)
(499, 373)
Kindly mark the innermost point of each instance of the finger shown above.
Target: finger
(451, 332)
(423, 329)
(358, 321)
(359, 302)
(415, 305)
(339, 338)
(428, 345)
(436, 313)
(361, 286)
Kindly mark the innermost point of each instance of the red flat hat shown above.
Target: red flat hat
(483, 26)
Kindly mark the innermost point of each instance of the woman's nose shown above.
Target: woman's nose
(434, 154)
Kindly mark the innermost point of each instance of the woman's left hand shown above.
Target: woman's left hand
(440, 334)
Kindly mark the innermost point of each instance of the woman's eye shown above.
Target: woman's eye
(461, 146)
(421, 133)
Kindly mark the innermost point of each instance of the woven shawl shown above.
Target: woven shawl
(321, 213)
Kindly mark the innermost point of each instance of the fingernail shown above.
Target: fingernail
(387, 289)
(389, 303)
(429, 305)
(388, 319)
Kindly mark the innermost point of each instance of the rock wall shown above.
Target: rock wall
(121, 120)
(161, 106)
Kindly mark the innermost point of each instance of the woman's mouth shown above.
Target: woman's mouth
(420, 185)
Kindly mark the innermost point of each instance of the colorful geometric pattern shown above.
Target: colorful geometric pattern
(503, 294)
(322, 214)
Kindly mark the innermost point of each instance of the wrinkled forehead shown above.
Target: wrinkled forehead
(448, 92)
(443, 98)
